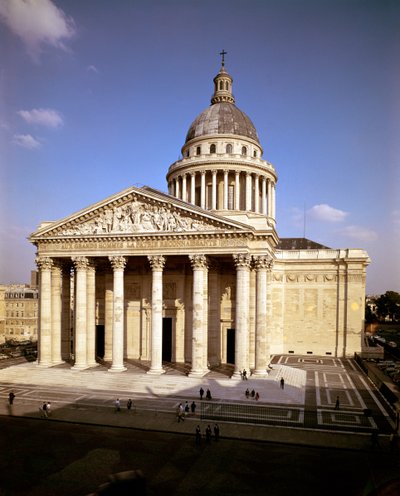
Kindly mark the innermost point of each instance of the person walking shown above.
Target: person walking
(208, 395)
(201, 393)
(117, 405)
(44, 409)
(11, 397)
(48, 408)
(257, 396)
(198, 435)
(247, 393)
(180, 413)
(193, 407)
(216, 432)
(282, 383)
(208, 434)
(337, 403)
(244, 373)
(129, 405)
(187, 409)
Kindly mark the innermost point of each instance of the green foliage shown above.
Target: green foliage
(388, 306)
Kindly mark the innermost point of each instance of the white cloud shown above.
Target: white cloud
(326, 213)
(37, 22)
(26, 141)
(359, 233)
(44, 117)
(92, 68)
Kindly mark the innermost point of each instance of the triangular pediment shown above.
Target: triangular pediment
(138, 211)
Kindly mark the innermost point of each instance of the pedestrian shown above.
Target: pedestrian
(193, 407)
(282, 383)
(48, 408)
(198, 435)
(180, 413)
(11, 397)
(44, 409)
(253, 393)
(375, 439)
(117, 405)
(208, 395)
(129, 405)
(216, 432)
(244, 375)
(257, 396)
(208, 433)
(337, 403)
(187, 409)
(247, 393)
(201, 393)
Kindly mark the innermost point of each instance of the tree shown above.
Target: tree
(388, 306)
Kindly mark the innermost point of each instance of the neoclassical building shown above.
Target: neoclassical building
(199, 275)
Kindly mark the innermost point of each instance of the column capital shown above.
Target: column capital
(242, 260)
(198, 261)
(214, 172)
(263, 261)
(117, 262)
(80, 263)
(203, 172)
(44, 263)
(157, 262)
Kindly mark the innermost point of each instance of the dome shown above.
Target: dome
(222, 118)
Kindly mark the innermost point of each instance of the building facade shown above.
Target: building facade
(198, 275)
(20, 306)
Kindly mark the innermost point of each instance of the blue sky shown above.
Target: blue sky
(97, 96)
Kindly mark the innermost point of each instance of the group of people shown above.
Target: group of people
(208, 434)
(252, 394)
(117, 404)
(183, 411)
(208, 394)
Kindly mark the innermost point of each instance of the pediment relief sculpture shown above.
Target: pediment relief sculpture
(138, 217)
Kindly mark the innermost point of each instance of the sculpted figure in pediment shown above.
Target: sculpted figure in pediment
(138, 217)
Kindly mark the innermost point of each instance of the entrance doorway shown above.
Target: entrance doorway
(100, 341)
(167, 340)
(230, 346)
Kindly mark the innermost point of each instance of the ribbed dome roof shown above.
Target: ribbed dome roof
(222, 118)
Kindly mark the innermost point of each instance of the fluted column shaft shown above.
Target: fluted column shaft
(199, 334)
(269, 198)
(192, 188)
(242, 262)
(264, 196)
(80, 264)
(237, 190)
(214, 190)
(203, 190)
(262, 263)
(44, 356)
(257, 194)
(66, 314)
(226, 189)
(108, 317)
(184, 188)
(118, 265)
(91, 315)
(177, 192)
(157, 263)
(56, 306)
(248, 191)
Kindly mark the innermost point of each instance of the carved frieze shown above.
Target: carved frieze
(138, 217)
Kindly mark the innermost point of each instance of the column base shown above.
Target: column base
(117, 368)
(155, 372)
(93, 364)
(198, 373)
(80, 367)
(236, 375)
(59, 362)
(44, 365)
(259, 373)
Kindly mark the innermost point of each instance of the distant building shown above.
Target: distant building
(19, 311)
(198, 275)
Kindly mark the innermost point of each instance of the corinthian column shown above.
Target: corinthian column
(44, 356)
(80, 264)
(199, 333)
(118, 265)
(56, 274)
(242, 262)
(66, 313)
(157, 264)
(263, 264)
(91, 315)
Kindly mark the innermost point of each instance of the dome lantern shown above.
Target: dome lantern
(222, 85)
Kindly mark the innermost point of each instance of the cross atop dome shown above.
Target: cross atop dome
(222, 84)
(223, 53)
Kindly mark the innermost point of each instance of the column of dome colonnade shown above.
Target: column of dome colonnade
(199, 316)
(157, 263)
(263, 264)
(259, 190)
(243, 264)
